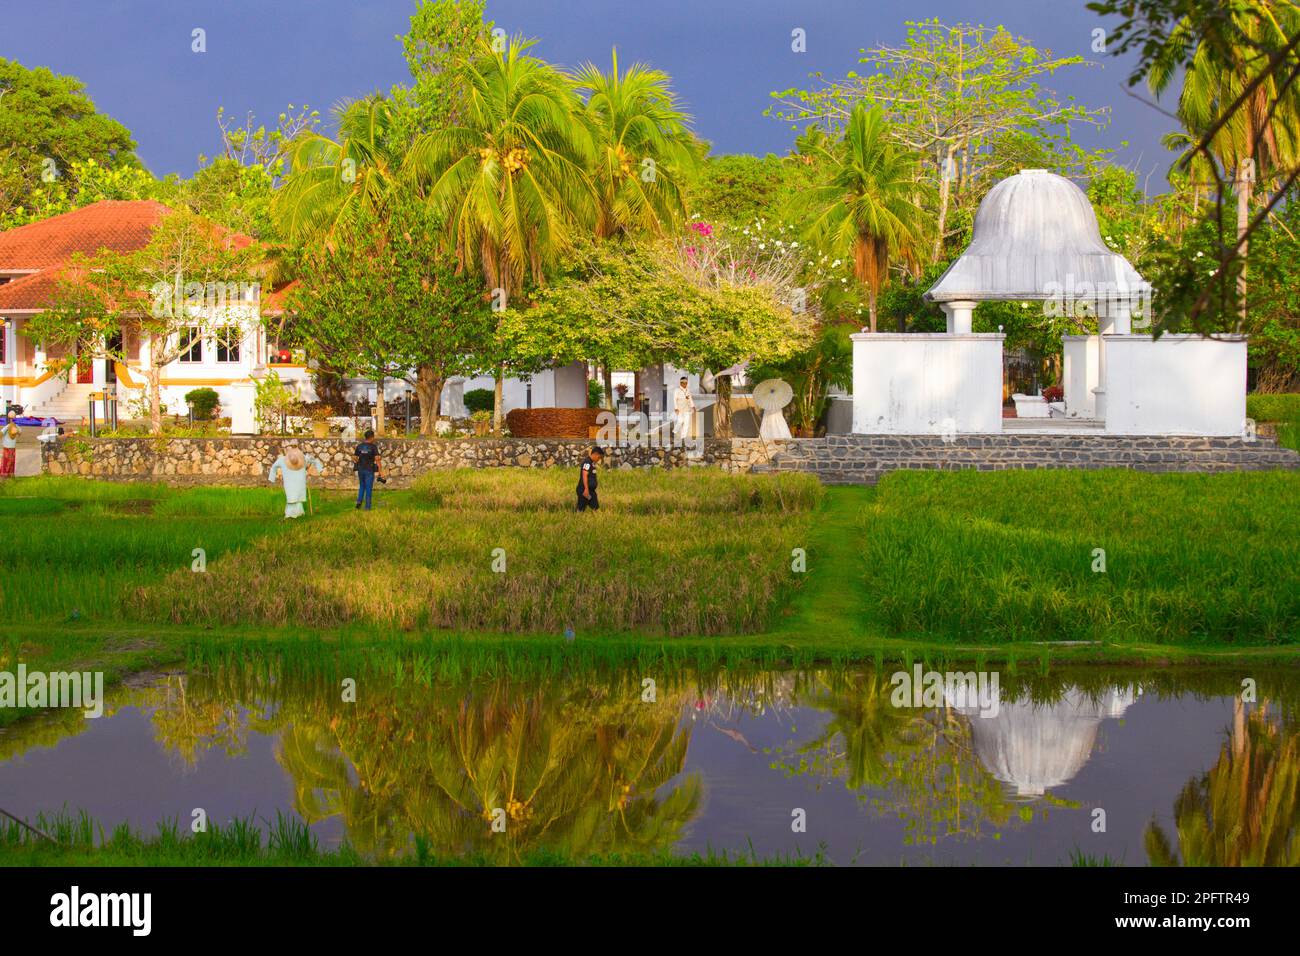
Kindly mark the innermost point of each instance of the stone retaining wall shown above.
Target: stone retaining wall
(246, 461)
(863, 459)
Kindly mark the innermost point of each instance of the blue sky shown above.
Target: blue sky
(725, 57)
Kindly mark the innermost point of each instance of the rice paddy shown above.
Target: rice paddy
(1079, 556)
(946, 559)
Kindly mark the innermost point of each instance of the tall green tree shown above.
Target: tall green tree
(645, 152)
(360, 167)
(510, 178)
(381, 299)
(1260, 140)
(1241, 61)
(50, 135)
(868, 206)
(968, 100)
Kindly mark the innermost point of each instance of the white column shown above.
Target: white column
(1105, 327)
(959, 315)
(1123, 318)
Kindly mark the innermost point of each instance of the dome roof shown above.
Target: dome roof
(1035, 236)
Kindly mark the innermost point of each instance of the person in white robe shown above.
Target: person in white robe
(684, 409)
(291, 469)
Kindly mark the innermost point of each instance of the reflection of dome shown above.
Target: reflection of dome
(1032, 230)
(1037, 747)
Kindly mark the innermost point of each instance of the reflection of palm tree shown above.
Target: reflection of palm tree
(1246, 810)
(573, 767)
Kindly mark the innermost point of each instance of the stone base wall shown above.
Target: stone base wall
(863, 459)
(246, 461)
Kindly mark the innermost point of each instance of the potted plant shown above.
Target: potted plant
(320, 421)
(482, 421)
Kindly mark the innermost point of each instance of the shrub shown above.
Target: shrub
(479, 400)
(595, 393)
(1054, 393)
(1281, 407)
(204, 402)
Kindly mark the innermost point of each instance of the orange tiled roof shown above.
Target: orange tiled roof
(48, 245)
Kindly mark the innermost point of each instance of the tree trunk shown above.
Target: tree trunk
(379, 407)
(722, 410)
(155, 399)
(871, 307)
(428, 390)
(1245, 189)
(498, 399)
(609, 384)
(945, 190)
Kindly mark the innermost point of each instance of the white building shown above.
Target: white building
(1036, 240)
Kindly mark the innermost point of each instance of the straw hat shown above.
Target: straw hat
(294, 459)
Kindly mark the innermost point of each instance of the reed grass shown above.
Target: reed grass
(79, 840)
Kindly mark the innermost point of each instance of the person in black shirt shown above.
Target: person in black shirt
(367, 468)
(587, 480)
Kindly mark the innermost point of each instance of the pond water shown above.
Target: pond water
(1134, 767)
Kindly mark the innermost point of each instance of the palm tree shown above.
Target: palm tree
(1261, 139)
(328, 178)
(644, 149)
(510, 179)
(869, 205)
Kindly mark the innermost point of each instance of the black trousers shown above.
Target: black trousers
(584, 503)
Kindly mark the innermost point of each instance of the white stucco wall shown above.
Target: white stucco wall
(1079, 375)
(927, 383)
(1175, 385)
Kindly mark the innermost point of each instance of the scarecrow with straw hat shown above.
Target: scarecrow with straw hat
(292, 469)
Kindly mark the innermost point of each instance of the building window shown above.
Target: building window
(191, 345)
(228, 344)
(4, 341)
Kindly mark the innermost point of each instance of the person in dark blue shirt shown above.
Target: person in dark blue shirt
(367, 468)
(587, 480)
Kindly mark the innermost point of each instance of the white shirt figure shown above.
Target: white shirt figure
(684, 408)
(294, 478)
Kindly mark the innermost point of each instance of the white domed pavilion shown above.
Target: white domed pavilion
(1036, 241)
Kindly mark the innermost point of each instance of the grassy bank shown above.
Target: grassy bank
(79, 841)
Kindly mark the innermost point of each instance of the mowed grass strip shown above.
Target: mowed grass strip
(674, 553)
(1010, 556)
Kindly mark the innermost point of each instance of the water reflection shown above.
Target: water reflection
(1036, 747)
(590, 764)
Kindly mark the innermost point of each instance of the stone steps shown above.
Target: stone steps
(863, 459)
